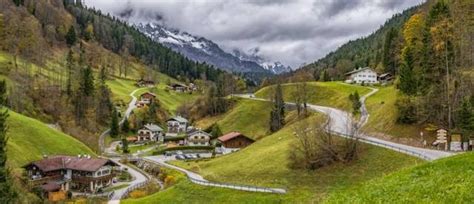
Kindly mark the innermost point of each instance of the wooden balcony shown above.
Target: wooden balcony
(88, 179)
(42, 180)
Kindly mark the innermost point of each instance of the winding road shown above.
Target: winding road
(340, 121)
(139, 177)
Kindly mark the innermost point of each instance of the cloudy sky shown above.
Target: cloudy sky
(291, 31)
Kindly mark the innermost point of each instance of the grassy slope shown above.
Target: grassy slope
(247, 116)
(448, 180)
(383, 115)
(332, 94)
(30, 139)
(266, 163)
(186, 192)
(171, 100)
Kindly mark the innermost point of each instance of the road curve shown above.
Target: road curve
(339, 121)
(139, 177)
(198, 179)
(129, 110)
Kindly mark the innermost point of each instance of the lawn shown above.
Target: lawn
(266, 163)
(30, 139)
(333, 94)
(250, 117)
(448, 180)
(171, 100)
(383, 115)
(183, 191)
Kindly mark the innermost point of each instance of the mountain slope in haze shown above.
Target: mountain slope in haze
(199, 49)
(274, 67)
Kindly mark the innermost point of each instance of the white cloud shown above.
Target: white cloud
(290, 31)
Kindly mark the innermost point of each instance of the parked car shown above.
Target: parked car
(187, 156)
(168, 154)
(180, 157)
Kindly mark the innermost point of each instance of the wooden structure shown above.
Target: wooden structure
(81, 173)
(235, 140)
(145, 83)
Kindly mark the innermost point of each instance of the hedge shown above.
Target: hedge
(184, 148)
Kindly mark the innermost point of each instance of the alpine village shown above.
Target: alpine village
(95, 109)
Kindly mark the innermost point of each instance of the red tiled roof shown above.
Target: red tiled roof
(50, 187)
(69, 162)
(230, 135)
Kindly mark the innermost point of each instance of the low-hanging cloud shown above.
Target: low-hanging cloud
(290, 31)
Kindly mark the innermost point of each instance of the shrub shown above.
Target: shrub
(169, 180)
(184, 148)
(406, 110)
(137, 194)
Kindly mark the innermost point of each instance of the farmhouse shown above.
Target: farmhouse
(81, 173)
(235, 140)
(150, 132)
(145, 83)
(147, 97)
(198, 138)
(385, 78)
(362, 75)
(178, 87)
(177, 125)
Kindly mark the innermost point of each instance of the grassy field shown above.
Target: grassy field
(266, 163)
(183, 191)
(30, 139)
(171, 100)
(448, 180)
(252, 118)
(334, 94)
(383, 115)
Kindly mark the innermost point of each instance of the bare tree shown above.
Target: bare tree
(317, 146)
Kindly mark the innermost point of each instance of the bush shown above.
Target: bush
(406, 110)
(137, 194)
(169, 180)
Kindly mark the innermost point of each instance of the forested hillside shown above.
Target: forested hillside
(430, 51)
(59, 57)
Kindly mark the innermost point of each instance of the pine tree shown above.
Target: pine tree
(71, 37)
(87, 82)
(125, 125)
(152, 109)
(104, 103)
(466, 116)
(356, 104)
(389, 58)
(277, 115)
(216, 131)
(125, 146)
(114, 125)
(7, 194)
(70, 67)
(407, 77)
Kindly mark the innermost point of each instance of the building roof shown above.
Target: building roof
(179, 119)
(197, 131)
(85, 163)
(359, 70)
(231, 135)
(148, 93)
(174, 85)
(153, 127)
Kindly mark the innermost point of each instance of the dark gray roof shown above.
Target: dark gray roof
(179, 119)
(153, 127)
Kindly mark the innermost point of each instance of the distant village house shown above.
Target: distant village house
(198, 138)
(362, 76)
(177, 125)
(150, 132)
(235, 140)
(145, 83)
(146, 99)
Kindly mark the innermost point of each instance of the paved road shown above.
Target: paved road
(139, 177)
(120, 193)
(340, 122)
(198, 179)
(129, 110)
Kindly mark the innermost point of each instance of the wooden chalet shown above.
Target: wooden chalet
(78, 173)
(235, 140)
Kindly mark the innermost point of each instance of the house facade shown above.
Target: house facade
(177, 125)
(150, 132)
(362, 75)
(81, 173)
(145, 83)
(235, 140)
(178, 87)
(198, 138)
(146, 99)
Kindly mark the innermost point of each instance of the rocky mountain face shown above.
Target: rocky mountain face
(203, 50)
(253, 55)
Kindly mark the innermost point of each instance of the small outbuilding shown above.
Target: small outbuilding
(235, 140)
